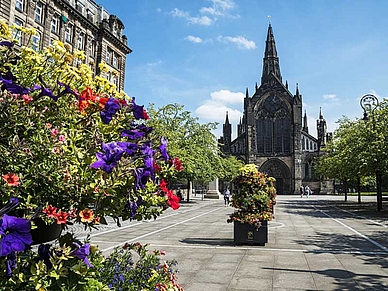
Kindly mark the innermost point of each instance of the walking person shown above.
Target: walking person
(307, 190)
(227, 196)
(301, 190)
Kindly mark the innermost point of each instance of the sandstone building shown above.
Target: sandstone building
(83, 24)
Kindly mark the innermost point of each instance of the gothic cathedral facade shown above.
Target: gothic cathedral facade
(274, 135)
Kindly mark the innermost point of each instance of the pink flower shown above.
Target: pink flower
(55, 150)
(54, 132)
(62, 138)
(27, 98)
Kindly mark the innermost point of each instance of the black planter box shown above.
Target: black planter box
(245, 233)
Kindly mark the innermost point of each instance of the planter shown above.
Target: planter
(44, 233)
(245, 233)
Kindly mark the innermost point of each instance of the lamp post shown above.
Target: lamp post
(369, 103)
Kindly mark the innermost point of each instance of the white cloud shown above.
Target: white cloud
(221, 101)
(194, 39)
(332, 97)
(201, 20)
(240, 41)
(179, 13)
(213, 111)
(227, 97)
(219, 8)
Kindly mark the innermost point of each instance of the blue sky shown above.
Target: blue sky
(203, 54)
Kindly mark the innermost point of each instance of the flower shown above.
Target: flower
(70, 157)
(11, 179)
(82, 253)
(86, 215)
(15, 235)
(254, 198)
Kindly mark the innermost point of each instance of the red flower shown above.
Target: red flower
(145, 115)
(163, 186)
(157, 168)
(50, 211)
(11, 179)
(62, 217)
(177, 164)
(173, 200)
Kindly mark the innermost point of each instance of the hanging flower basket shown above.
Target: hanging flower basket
(45, 232)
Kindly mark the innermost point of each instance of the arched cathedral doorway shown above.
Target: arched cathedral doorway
(279, 170)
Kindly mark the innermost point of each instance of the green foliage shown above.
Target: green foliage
(255, 197)
(194, 143)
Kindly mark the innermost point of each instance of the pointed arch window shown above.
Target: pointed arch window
(274, 127)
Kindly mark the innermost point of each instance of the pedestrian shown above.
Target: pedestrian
(179, 194)
(227, 196)
(307, 190)
(301, 190)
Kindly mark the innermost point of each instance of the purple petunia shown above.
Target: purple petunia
(82, 253)
(45, 92)
(141, 177)
(163, 148)
(44, 254)
(15, 235)
(128, 147)
(109, 158)
(138, 111)
(137, 131)
(13, 88)
(110, 109)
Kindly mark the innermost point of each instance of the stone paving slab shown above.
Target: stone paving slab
(319, 243)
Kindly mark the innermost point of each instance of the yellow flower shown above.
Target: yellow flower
(4, 30)
(103, 67)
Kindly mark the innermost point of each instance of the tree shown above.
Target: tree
(192, 142)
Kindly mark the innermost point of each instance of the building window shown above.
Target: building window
(36, 41)
(108, 56)
(92, 49)
(19, 5)
(80, 6)
(80, 42)
(18, 33)
(114, 61)
(68, 33)
(90, 15)
(38, 12)
(108, 76)
(115, 80)
(54, 24)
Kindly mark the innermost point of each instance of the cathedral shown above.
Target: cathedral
(274, 135)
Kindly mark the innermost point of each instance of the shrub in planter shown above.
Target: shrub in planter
(254, 198)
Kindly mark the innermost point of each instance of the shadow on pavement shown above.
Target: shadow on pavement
(209, 241)
(346, 280)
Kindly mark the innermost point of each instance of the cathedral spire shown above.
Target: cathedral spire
(246, 93)
(227, 118)
(320, 113)
(305, 124)
(297, 89)
(271, 59)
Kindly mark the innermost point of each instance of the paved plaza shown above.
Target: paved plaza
(316, 243)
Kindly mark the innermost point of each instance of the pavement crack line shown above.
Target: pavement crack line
(353, 230)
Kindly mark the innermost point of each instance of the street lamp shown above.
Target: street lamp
(369, 103)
